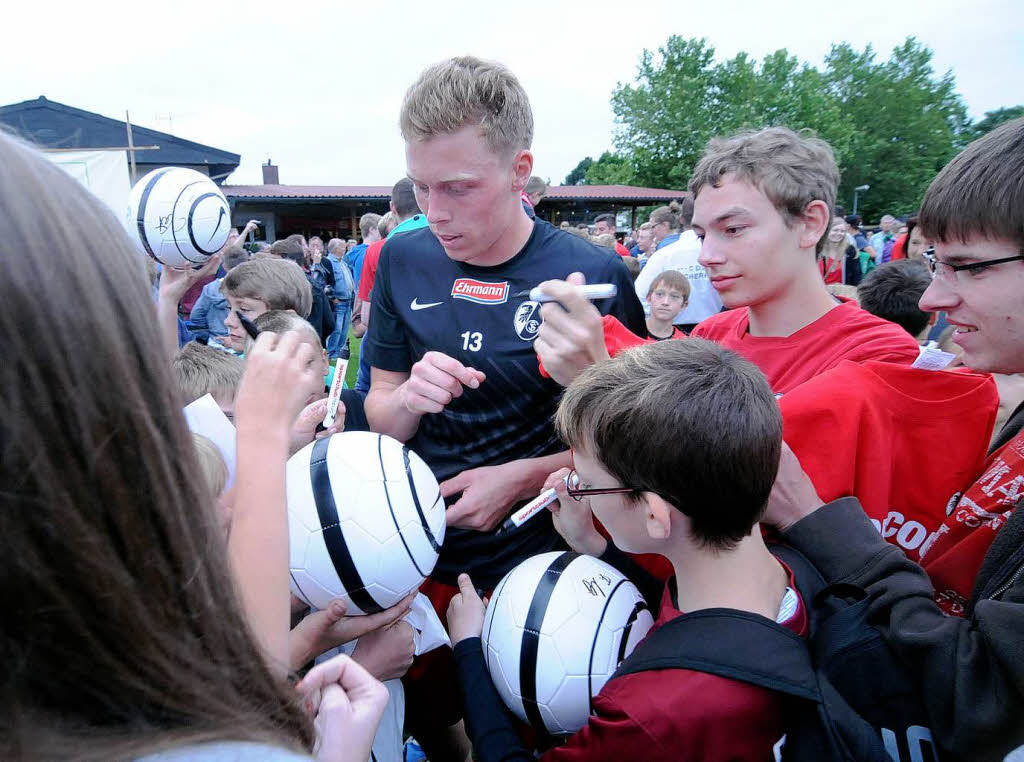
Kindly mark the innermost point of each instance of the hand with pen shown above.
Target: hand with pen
(571, 337)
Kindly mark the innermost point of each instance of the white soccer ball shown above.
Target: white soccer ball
(365, 521)
(179, 216)
(555, 630)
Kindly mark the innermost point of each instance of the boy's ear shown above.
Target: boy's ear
(657, 516)
(815, 222)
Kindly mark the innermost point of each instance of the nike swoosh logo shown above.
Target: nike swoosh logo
(217, 226)
(417, 306)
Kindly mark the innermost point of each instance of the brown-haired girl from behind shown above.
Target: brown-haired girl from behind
(123, 634)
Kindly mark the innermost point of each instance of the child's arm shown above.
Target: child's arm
(270, 396)
(173, 285)
(488, 723)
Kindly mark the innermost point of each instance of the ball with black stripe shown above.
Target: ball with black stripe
(365, 521)
(179, 216)
(556, 628)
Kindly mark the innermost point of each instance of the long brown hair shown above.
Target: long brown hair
(122, 632)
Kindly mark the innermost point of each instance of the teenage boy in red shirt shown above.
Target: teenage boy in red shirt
(675, 446)
(762, 205)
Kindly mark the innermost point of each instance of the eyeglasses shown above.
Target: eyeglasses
(572, 482)
(950, 273)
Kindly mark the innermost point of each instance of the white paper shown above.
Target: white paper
(933, 359)
(205, 417)
(428, 632)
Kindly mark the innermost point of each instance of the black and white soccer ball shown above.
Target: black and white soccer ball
(179, 216)
(365, 521)
(556, 628)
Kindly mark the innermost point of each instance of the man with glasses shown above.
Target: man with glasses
(958, 628)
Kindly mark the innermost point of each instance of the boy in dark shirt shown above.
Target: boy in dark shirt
(675, 445)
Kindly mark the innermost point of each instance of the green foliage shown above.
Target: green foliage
(892, 124)
(908, 124)
(579, 174)
(993, 119)
(610, 169)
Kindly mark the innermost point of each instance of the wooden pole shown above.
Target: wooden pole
(131, 145)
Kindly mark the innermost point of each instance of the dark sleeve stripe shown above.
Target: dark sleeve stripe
(334, 539)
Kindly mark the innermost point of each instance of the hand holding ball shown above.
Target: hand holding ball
(365, 521)
(555, 630)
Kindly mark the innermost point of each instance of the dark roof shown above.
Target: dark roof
(53, 125)
(308, 191)
(624, 193)
(611, 193)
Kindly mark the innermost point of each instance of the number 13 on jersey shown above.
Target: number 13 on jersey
(472, 341)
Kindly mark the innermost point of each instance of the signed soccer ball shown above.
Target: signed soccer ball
(555, 630)
(365, 521)
(179, 216)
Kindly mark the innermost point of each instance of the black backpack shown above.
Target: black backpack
(848, 698)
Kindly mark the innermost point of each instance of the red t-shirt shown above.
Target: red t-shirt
(831, 270)
(621, 250)
(899, 249)
(903, 440)
(369, 272)
(955, 551)
(681, 714)
(845, 332)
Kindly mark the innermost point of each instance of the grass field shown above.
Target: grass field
(353, 361)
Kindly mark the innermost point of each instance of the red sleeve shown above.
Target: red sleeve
(616, 338)
(610, 734)
(676, 715)
(369, 272)
(621, 250)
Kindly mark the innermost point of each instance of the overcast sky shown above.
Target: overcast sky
(317, 86)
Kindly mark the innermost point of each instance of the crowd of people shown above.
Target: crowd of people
(774, 410)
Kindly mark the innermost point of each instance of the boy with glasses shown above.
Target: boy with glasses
(694, 500)
(970, 665)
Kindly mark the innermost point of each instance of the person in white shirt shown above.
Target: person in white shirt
(682, 256)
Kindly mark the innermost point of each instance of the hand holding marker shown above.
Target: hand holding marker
(592, 292)
(531, 509)
(339, 373)
(340, 367)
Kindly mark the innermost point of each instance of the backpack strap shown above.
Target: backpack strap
(731, 644)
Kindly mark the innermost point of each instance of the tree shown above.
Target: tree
(610, 169)
(891, 124)
(682, 99)
(993, 119)
(578, 175)
(908, 124)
